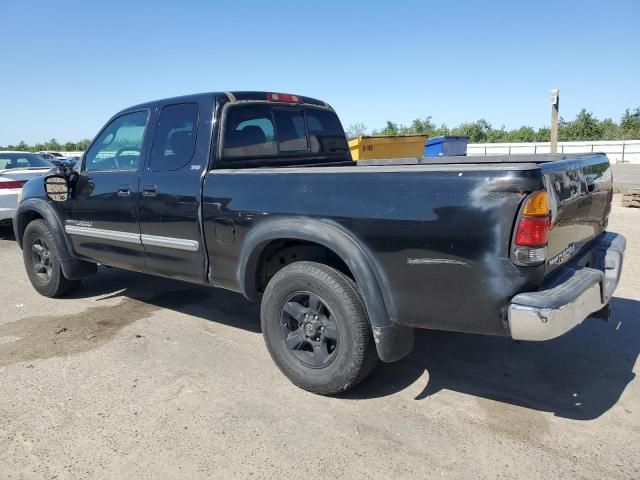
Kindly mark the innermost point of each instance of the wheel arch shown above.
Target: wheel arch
(392, 341)
(32, 209)
(36, 208)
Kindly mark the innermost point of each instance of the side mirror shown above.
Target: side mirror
(56, 187)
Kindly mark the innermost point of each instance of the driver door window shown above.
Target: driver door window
(119, 145)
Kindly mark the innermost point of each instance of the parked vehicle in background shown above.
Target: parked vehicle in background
(48, 154)
(346, 260)
(16, 168)
(54, 157)
(60, 160)
(71, 161)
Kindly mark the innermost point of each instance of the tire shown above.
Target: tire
(291, 328)
(42, 261)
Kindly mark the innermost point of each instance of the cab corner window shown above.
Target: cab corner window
(175, 137)
(119, 145)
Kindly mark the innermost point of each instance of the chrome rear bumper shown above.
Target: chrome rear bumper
(576, 291)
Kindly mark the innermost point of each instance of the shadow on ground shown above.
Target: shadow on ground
(204, 302)
(6, 232)
(580, 375)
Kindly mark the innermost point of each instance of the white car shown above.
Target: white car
(15, 169)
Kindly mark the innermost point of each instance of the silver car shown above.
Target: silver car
(15, 169)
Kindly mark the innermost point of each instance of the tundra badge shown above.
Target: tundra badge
(563, 256)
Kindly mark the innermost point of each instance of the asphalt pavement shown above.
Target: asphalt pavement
(141, 377)
(626, 175)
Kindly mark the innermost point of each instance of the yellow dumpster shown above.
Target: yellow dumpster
(387, 146)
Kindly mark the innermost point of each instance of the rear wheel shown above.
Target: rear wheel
(42, 261)
(316, 328)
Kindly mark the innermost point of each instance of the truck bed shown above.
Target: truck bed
(438, 230)
(473, 159)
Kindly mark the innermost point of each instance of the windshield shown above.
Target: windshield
(22, 160)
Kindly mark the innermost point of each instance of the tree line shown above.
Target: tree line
(52, 145)
(584, 127)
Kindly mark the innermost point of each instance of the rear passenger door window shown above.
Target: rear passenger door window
(175, 137)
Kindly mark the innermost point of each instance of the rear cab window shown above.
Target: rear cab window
(256, 134)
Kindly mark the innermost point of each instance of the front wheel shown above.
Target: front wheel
(316, 328)
(42, 261)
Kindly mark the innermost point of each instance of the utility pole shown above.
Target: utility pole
(555, 106)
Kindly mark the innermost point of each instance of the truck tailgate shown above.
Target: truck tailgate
(580, 194)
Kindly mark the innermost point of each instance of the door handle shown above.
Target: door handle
(149, 190)
(124, 190)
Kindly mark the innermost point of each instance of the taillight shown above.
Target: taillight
(532, 231)
(283, 97)
(537, 205)
(12, 184)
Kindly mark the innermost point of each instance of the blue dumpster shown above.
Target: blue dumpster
(446, 146)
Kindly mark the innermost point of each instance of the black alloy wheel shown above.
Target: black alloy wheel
(41, 259)
(309, 329)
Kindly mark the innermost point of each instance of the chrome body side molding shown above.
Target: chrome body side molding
(127, 237)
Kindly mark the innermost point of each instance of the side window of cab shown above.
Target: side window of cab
(175, 137)
(119, 145)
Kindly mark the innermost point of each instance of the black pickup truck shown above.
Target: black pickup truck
(256, 192)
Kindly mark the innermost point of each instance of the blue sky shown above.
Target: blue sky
(69, 65)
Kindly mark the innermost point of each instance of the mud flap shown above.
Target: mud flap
(393, 342)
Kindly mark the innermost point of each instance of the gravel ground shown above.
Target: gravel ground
(142, 377)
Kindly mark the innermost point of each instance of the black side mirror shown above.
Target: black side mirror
(57, 187)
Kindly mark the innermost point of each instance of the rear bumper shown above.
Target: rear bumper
(576, 291)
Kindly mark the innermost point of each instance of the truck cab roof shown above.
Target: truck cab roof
(234, 96)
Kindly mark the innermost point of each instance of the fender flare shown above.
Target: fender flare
(72, 267)
(42, 208)
(392, 340)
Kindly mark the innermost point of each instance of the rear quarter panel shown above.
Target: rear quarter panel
(438, 237)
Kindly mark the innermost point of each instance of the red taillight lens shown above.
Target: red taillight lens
(283, 97)
(12, 184)
(532, 232)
